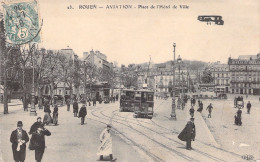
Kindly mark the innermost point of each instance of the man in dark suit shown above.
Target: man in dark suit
(35, 125)
(75, 108)
(188, 133)
(39, 141)
(248, 106)
(19, 138)
(83, 113)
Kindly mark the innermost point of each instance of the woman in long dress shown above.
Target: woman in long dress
(47, 117)
(55, 115)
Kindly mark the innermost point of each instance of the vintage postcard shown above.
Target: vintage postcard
(129, 80)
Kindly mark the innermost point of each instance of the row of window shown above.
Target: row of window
(245, 91)
(246, 73)
(240, 67)
(245, 79)
(221, 75)
(221, 81)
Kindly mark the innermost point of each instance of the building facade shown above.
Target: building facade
(221, 75)
(245, 74)
(96, 58)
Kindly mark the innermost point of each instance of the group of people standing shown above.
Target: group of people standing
(47, 119)
(19, 138)
(189, 132)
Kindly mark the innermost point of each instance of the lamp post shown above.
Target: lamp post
(173, 114)
(33, 110)
(179, 60)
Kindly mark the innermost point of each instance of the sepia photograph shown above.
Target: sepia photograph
(129, 81)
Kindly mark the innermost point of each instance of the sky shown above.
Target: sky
(131, 36)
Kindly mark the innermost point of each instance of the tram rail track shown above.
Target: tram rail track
(140, 123)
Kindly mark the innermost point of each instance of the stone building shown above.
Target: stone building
(221, 75)
(245, 74)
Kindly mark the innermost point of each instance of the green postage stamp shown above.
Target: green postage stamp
(21, 22)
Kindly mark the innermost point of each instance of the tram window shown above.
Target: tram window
(137, 96)
(150, 97)
(143, 97)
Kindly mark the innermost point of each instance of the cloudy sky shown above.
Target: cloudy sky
(130, 36)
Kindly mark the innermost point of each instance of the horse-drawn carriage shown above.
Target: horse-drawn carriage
(239, 102)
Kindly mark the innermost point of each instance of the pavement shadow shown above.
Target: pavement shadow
(182, 147)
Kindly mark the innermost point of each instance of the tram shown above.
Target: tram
(144, 104)
(127, 99)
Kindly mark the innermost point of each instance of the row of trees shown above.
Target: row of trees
(50, 67)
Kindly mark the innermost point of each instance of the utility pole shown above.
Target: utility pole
(173, 114)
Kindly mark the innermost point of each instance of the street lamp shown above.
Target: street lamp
(179, 60)
(33, 110)
(173, 114)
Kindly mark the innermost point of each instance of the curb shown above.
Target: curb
(205, 126)
(212, 139)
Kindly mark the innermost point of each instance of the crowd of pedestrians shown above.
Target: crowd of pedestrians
(19, 137)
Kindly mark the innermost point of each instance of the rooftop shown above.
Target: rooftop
(247, 57)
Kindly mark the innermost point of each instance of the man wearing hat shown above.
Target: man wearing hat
(35, 125)
(19, 138)
(83, 113)
(188, 133)
(39, 141)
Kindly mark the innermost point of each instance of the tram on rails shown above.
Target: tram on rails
(144, 104)
(127, 99)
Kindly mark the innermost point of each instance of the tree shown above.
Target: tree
(65, 75)
(9, 65)
(129, 76)
(90, 75)
(52, 70)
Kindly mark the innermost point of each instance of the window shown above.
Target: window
(150, 97)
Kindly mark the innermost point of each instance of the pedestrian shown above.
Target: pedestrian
(19, 138)
(248, 106)
(94, 101)
(179, 103)
(38, 139)
(209, 108)
(106, 144)
(88, 99)
(238, 117)
(192, 111)
(55, 115)
(35, 125)
(117, 97)
(83, 113)
(47, 116)
(188, 133)
(191, 101)
(235, 101)
(200, 107)
(194, 101)
(46, 105)
(75, 108)
(68, 104)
